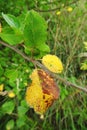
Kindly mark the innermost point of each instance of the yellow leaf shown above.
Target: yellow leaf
(69, 9)
(53, 63)
(34, 77)
(11, 94)
(1, 87)
(39, 98)
(34, 97)
(58, 12)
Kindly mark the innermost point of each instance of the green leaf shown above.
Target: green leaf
(35, 31)
(21, 19)
(43, 47)
(1, 70)
(64, 93)
(8, 107)
(11, 74)
(12, 39)
(10, 125)
(11, 20)
(24, 103)
(22, 110)
(83, 66)
(21, 121)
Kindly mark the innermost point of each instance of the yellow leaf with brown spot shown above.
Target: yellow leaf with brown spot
(42, 92)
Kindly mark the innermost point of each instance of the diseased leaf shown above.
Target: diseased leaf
(42, 92)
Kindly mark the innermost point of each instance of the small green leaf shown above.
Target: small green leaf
(83, 66)
(11, 20)
(43, 47)
(21, 121)
(10, 125)
(22, 110)
(64, 93)
(11, 74)
(8, 107)
(24, 103)
(35, 31)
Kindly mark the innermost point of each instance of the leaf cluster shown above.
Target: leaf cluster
(29, 29)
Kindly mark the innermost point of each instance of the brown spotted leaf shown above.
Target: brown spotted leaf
(42, 92)
(48, 84)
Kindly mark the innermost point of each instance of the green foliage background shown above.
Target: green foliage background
(65, 37)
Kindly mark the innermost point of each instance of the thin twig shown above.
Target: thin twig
(57, 77)
(51, 2)
(57, 8)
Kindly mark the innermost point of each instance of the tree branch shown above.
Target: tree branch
(57, 77)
